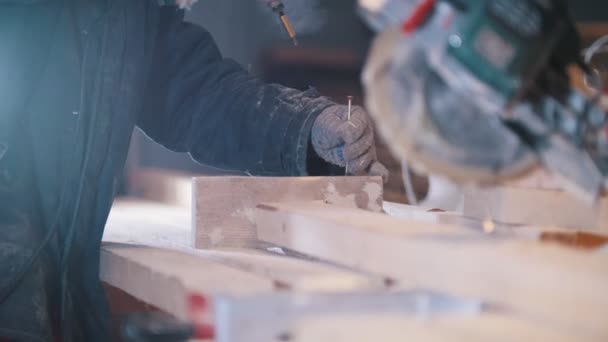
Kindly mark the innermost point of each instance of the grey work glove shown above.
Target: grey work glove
(348, 144)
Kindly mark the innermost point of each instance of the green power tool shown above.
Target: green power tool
(478, 90)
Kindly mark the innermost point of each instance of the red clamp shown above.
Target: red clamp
(420, 14)
(200, 312)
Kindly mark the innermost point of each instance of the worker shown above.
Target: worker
(76, 77)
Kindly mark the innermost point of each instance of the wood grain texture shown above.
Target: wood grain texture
(225, 206)
(296, 274)
(151, 224)
(549, 283)
(540, 207)
(565, 237)
(165, 278)
(392, 328)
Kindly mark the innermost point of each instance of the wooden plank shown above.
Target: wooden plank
(167, 227)
(418, 215)
(540, 207)
(296, 274)
(566, 237)
(164, 186)
(392, 328)
(224, 208)
(165, 278)
(406, 211)
(555, 284)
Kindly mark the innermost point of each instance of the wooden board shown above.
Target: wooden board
(296, 274)
(554, 284)
(151, 224)
(391, 328)
(566, 237)
(165, 278)
(540, 207)
(412, 212)
(224, 208)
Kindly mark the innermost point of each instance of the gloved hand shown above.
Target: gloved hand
(348, 144)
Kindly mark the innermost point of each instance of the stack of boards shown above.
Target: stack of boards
(534, 283)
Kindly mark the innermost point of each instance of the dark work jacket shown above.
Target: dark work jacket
(76, 77)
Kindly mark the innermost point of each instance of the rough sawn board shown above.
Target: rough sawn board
(547, 282)
(224, 207)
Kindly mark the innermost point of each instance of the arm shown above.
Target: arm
(200, 103)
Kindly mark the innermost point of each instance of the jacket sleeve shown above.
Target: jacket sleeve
(208, 106)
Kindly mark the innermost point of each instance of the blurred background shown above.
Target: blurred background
(331, 55)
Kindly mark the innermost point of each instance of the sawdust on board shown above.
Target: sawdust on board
(332, 196)
(374, 191)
